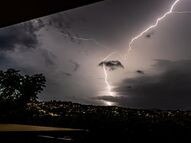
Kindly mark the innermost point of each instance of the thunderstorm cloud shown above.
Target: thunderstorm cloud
(111, 65)
(168, 89)
(57, 46)
(22, 35)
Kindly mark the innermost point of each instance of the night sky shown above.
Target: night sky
(67, 48)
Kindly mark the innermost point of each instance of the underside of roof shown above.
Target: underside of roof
(16, 11)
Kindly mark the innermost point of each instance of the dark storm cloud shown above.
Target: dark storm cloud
(23, 34)
(111, 18)
(63, 23)
(169, 89)
(140, 72)
(60, 21)
(111, 65)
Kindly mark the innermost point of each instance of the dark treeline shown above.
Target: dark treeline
(17, 90)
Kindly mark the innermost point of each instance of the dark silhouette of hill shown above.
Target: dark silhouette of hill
(113, 124)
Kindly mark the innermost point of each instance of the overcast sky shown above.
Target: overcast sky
(68, 46)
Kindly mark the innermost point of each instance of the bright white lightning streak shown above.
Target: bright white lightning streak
(109, 56)
(106, 81)
(109, 87)
(137, 37)
(132, 41)
(152, 26)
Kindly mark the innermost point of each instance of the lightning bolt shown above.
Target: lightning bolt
(108, 85)
(109, 56)
(170, 11)
(152, 26)
(132, 41)
(107, 82)
(86, 39)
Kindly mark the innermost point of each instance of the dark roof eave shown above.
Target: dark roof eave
(16, 11)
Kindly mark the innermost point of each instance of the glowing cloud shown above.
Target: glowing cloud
(105, 63)
(111, 65)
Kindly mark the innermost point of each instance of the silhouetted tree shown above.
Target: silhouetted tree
(16, 88)
(31, 86)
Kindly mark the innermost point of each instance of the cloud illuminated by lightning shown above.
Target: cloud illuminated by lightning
(109, 87)
(141, 34)
(133, 40)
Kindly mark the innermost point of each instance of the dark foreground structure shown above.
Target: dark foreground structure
(98, 124)
(17, 11)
